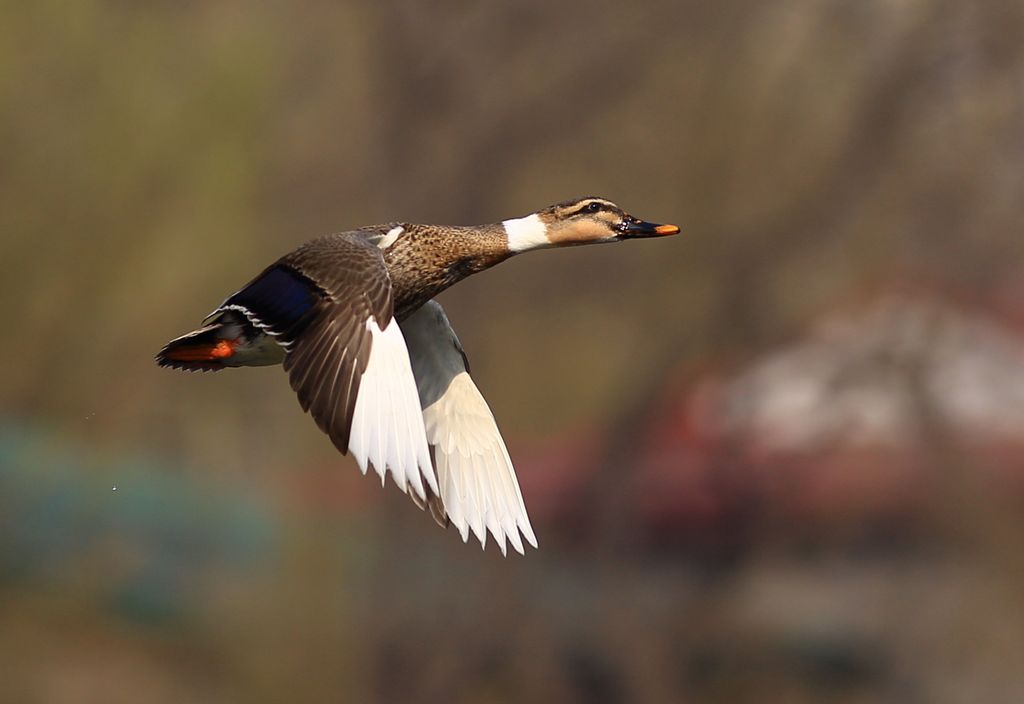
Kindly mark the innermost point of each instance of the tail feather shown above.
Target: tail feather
(205, 349)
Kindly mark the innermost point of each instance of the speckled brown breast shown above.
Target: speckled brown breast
(425, 260)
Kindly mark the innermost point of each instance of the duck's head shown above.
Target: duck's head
(588, 220)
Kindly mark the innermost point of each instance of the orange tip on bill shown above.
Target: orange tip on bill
(667, 229)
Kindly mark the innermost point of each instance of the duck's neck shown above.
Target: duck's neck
(425, 260)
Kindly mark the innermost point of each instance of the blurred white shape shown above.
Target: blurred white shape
(873, 378)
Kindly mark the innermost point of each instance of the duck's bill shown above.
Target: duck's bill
(640, 228)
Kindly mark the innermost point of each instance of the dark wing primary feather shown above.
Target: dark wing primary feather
(316, 302)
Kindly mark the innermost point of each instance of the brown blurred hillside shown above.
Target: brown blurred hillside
(154, 156)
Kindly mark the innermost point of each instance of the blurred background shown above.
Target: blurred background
(777, 458)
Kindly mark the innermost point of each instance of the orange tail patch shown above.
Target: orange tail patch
(203, 352)
(195, 353)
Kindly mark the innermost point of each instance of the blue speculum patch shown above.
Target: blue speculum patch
(279, 298)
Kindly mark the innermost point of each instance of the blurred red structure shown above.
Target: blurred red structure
(846, 426)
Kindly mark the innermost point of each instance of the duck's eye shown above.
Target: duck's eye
(592, 208)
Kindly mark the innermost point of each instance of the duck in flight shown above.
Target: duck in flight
(375, 361)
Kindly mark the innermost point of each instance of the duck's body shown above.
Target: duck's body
(375, 362)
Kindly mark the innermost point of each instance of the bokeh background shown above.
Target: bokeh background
(778, 458)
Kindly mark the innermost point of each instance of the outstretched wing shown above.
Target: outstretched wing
(479, 490)
(329, 304)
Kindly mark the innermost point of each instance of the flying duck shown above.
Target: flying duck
(375, 361)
